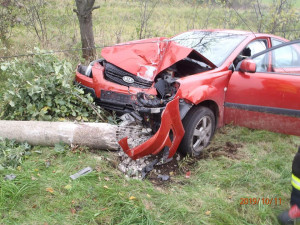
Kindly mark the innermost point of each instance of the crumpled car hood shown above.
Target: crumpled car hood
(146, 58)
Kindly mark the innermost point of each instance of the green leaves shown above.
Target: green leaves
(12, 153)
(61, 148)
(40, 88)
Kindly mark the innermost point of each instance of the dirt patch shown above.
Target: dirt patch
(170, 169)
(181, 167)
(229, 150)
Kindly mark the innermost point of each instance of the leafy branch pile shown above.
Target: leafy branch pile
(12, 153)
(40, 88)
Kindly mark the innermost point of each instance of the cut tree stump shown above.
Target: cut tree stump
(93, 135)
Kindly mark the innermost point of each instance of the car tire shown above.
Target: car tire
(199, 125)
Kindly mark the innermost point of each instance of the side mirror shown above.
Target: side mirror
(247, 65)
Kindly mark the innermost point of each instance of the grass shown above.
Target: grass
(43, 194)
(260, 169)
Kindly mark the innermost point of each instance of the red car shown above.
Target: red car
(184, 87)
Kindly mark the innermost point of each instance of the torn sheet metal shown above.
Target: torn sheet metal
(170, 122)
(147, 58)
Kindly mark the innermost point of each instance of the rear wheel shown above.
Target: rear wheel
(199, 125)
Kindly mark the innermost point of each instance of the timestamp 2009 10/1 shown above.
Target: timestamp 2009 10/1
(256, 201)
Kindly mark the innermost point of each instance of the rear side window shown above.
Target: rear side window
(285, 57)
(283, 60)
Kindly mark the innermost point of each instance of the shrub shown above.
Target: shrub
(12, 154)
(40, 88)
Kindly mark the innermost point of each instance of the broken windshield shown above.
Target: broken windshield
(215, 46)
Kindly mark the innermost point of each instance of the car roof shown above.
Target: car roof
(225, 31)
(241, 32)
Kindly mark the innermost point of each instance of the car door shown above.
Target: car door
(270, 97)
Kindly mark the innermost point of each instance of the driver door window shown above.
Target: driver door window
(257, 46)
(251, 49)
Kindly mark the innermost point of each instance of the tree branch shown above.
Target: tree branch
(96, 7)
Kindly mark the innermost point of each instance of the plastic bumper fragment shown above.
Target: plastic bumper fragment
(170, 121)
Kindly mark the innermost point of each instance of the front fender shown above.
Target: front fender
(199, 94)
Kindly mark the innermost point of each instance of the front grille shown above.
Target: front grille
(116, 74)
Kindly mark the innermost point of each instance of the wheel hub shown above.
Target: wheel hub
(202, 134)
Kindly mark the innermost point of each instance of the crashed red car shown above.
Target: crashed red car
(184, 87)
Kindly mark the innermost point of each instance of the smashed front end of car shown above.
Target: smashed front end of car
(140, 79)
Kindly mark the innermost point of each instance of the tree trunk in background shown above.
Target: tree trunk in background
(84, 14)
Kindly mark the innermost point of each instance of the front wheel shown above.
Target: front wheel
(199, 125)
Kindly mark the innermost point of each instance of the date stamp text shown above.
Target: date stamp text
(257, 201)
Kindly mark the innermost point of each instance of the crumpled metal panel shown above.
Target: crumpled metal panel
(170, 120)
(146, 58)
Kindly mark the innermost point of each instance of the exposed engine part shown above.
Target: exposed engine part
(188, 66)
(136, 115)
(166, 86)
(149, 100)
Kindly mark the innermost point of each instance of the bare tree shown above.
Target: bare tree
(7, 20)
(146, 10)
(84, 14)
(35, 18)
(259, 15)
(282, 18)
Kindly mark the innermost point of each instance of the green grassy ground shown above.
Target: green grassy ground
(212, 195)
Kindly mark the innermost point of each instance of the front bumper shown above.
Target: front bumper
(170, 122)
(108, 94)
(120, 98)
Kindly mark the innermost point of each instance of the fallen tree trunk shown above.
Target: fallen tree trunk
(93, 135)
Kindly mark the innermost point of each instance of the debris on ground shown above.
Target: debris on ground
(10, 177)
(137, 134)
(81, 173)
(159, 168)
(47, 163)
(188, 174)
(163, 177)
(156, 167)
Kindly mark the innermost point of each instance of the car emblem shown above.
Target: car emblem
(128, 79)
